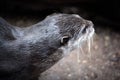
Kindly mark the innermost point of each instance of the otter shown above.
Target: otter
(27, 52)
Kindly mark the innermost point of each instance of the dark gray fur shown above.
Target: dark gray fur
(27, 52)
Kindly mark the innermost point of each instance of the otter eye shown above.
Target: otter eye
(65, 39)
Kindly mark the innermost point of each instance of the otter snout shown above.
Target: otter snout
(88, 28)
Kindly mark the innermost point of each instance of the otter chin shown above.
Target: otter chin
(27, 52)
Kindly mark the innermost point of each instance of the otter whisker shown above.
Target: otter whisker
(78, 53)
(81, 50)
(89, 45)
(91, 40)
(78, 56)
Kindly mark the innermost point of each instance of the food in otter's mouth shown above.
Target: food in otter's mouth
(27, 52)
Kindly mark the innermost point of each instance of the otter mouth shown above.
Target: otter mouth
(84, 34)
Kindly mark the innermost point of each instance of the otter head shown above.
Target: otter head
(59, 34)
(74, 31)
(27, 52)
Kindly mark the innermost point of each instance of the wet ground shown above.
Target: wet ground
(101, 63)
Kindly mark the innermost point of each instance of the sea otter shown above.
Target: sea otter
(27, 52)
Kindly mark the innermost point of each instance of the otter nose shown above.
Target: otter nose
(87, 27)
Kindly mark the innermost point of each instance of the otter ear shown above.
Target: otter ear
(64, 39)
(6, 30)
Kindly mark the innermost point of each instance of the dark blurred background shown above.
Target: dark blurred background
(101, 12)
